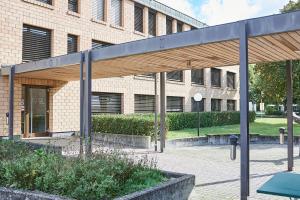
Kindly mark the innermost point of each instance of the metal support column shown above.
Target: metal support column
(244, 111)
(11, 103)
(162, 110)
(289, 104)
(81, 104)
(156, 112)
(88, 106)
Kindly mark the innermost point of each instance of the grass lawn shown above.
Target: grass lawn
(262, 126)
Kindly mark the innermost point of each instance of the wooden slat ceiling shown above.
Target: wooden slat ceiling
(270, 48)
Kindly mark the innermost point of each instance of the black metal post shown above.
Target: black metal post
(88, 106)
(162, 110)
(156, 111)
(81, 105)
(198, 105)
(11, 103)
(244, 111)
(289, 78)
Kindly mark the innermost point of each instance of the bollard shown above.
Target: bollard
(233, 142)
(281, 135)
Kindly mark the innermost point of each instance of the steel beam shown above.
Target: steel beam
(81, 103)
(244, 110)
(289, 104)
(162, 110)
(11, 103)
(156, 112)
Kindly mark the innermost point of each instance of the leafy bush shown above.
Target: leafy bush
(273, 110)
(106, 175)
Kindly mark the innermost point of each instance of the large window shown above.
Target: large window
(106, 103)
(138, 17)
(72, 43)
(36, 43)
(116, 12)
(46, 1)
(216, 105)
(144, 103)
(99, 44)
(169, 25)
(215, 77)
(231, 80)
(174, 104)
(152, 22)
(231, 105)
(179, 26)
(73, 5)
(175, 76)
(197, 76)
(195, 105)
(98, 9)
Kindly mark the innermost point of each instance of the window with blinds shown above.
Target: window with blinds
(36, 43)
(197, 76)
(144, 103)
(231, 105)
(99, 44)
(195, 105)
(116, 12)
(151, 75)
(216, 105)
(174, 104)
(175, 76)
(98, 9)
(152, 22)
(138, 17)
(179, 26)
(73, 5)
(72, 43)
(106, 103)
(215, 77)
(46, 1)
(231, 80)
(169, 25)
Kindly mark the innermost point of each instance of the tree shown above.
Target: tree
(291, 6)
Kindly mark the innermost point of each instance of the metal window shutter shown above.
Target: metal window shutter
(144, 103)
(179, 27)
(98, 7)
(216, 105)
(151, 75)
(46, 1)
(99, 44)
(72, 43)
(231, 80)
(106, 103)
(175, 76)
(152, 23)
(174, 104)
(138, 18)
(116, 12)
(216, 77)
(195, 105)
(169, 25)
(36, 43)
(198, 76)
(73, 5)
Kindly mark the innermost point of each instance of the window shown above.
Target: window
(106, 103)
(231, 105)
(72, 43)
(174, 104)
(144, 103)
(193, 28)
(175, 76)
(99, 44)
(152, 22)
(216, 105)
(46, 1)
(138, 17)
(98, 10)
(179, 27)
(215, 77)
(231, 80)
(151, 75)
(116, 12)
(197, 76)
(36, 43)
(73, 5)
(169, 25)
(195, 105)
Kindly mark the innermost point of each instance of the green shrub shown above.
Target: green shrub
(273, 110)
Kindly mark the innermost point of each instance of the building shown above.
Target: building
(37, 29)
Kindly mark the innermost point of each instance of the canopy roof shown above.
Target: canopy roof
(271, 38)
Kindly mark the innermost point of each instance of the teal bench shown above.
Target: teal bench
(282, 184)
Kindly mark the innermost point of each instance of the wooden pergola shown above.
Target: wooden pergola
(267, 39)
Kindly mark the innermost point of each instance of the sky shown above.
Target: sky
(213, 12)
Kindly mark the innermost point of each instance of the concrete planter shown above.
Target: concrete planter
(137, 141)
(179, 187)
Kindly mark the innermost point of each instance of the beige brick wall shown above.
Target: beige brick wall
(64, 97)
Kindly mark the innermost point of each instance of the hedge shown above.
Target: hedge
(139, 124)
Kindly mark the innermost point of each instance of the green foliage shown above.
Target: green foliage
(273, 110)
(106, 175)
(291, 6)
